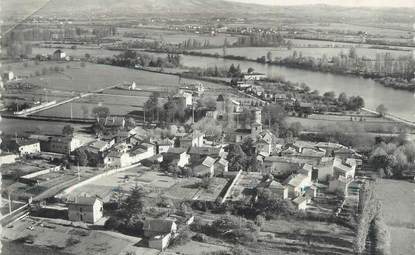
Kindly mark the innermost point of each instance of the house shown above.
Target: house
(263, 147)
(179, 154)
(62, 145)
(112, 122)
(98, 147)
(276, 164)
(86, 209)
(253, 76)
(197, 89)
(325, 169)
(159, 242)
(221, 166)
(59, 55)
(163, 145)
(278, 189)
(7, 158)
(345, 168)
(205, 169)
(340, 185)
(300, 203)
(8, 76)
(132, 86)
(27, 147)
(198, 154)
(117, 159)
(155, 227)
(297, 184)
(184, 98)
(193, 139)
(141, 151)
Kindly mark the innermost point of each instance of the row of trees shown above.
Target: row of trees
(384, 64)
(130, 58)
(262, 39)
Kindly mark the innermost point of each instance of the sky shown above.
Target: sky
(370, 3)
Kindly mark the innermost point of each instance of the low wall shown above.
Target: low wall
(42, 172)
(35, 108)
(94, 178)
(228, 192)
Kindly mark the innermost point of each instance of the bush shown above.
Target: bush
(113, 223)
(182, 238)
(199, 237)
(72, 241)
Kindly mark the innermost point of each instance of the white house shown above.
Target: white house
(345, 168)
(177, 153)
(278, 189)
(59, 55)
(27, 147)
(254, 76)
(86, 209)
(300, 203)
(297, 184)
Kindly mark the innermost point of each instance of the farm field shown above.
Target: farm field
(77, 53)
(316, 122)
(195, 248)
(16, 126)
(175, 37)
(398, 205)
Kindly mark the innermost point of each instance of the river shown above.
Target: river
(398, 102)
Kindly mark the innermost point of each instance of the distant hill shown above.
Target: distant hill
(135, 8)
(130, 7)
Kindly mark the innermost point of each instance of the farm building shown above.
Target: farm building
(86, 209)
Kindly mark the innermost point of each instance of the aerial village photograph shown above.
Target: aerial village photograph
(207, 127)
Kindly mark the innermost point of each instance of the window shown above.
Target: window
(80, 209)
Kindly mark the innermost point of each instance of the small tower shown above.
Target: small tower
(220, 106)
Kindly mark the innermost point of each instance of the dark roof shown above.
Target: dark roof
(220, 98)
(204, 150)
(176, 150)
(157, 225)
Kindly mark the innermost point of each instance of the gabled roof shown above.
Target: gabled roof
(211, 151)
(222, 162)
(276, 185)
(85, 200)
(344, 166)
(300, 200)
(208, 162)
(295, 180)
(158, 225)
(23, 142)
(176, 150)
(98, 144)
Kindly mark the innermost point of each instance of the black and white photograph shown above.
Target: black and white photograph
(207, 127)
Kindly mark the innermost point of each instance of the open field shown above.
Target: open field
(156, 184)
(195, 248)
(398, 202)
(48, 233)
(17, 126)
(175, 37)
(316, 122)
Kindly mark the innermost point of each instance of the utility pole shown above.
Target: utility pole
(79, 174)
(10, 202)
(71, 111)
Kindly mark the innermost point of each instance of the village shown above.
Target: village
(153, 180)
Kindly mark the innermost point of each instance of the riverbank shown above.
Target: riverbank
(387, 81)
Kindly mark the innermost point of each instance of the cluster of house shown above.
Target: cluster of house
(311, 165)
